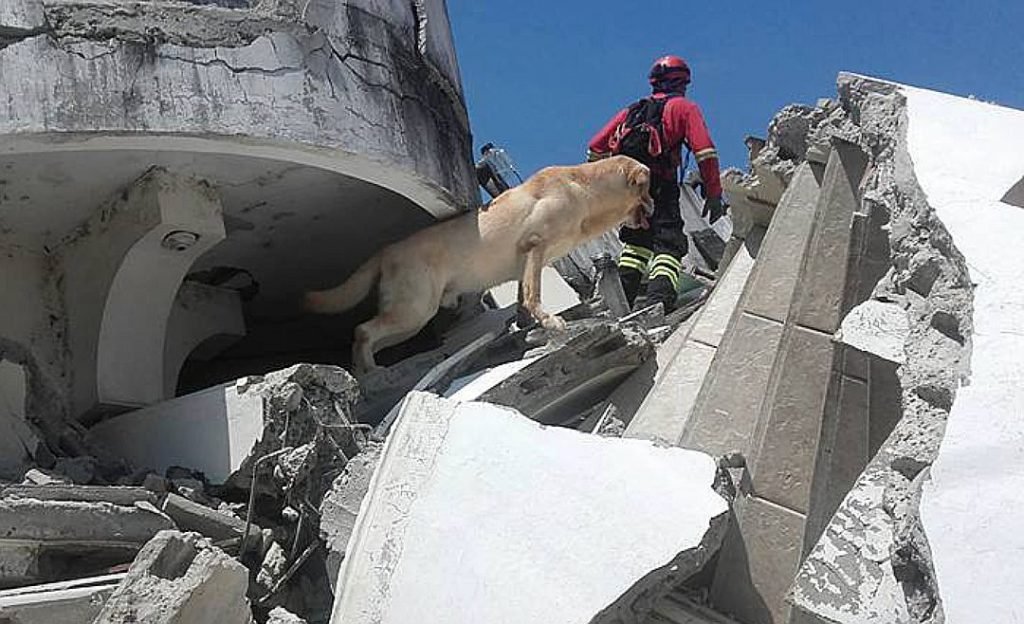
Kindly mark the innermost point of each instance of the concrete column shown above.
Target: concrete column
(122, 271)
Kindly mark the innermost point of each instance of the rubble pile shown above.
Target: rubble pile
(252, 491)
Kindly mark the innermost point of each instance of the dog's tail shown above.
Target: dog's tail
(349, 293)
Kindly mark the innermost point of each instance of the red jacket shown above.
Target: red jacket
(683, 123)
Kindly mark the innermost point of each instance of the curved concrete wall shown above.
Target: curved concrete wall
(373, 83)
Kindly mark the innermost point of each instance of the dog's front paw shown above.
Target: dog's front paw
(553, 322)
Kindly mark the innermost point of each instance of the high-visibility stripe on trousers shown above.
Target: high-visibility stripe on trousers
(668, 266)
(635, 257)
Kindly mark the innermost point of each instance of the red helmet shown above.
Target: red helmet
(668, 68)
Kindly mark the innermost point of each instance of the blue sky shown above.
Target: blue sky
(542, 77)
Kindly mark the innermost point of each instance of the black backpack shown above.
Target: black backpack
(642, 135)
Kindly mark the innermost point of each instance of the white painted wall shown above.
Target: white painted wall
(966, 154)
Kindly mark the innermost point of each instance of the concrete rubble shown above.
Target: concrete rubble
(180, 578)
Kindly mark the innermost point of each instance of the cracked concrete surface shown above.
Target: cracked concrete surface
(360, 78)
(873, 562)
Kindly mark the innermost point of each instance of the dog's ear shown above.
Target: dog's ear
(639, 175)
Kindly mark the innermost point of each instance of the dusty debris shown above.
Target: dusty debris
(180, 578)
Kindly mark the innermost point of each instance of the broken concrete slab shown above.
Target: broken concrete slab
(970, 500)
(341, 504)
(68, 602)
(180, 578)
(115, 495)
(43, 541)
(606, 519)
(572, 376)
(222, 431)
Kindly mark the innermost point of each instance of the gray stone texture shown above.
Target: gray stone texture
(782, 465)
(1015, 196)
(724, 414)
(180, 578)
(775, 276)
(756, 564)
(825, 274)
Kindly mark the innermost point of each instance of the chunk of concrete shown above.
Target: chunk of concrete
(222, 431)
(115, 495)
(877, 327)
(280, 615)
(180, 578)
(68, 602)
(477, 514)
(341, 504)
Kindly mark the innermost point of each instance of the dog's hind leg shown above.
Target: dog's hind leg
(529, 286)
(407, 303)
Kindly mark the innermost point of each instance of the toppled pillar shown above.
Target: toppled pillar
(539, 524)
(223, 431)
(180, 578)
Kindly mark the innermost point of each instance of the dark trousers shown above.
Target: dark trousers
(665, 236)
(657, 251)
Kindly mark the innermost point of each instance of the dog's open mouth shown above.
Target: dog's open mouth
(639, 217)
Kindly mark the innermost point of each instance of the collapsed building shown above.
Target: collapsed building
(180, 444)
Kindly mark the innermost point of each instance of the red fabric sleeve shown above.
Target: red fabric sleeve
(599, 143)
(684, 124)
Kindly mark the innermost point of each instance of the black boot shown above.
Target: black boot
(660, 289)
(630, 279)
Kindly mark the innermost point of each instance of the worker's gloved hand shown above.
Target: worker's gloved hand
(593, 156)
(714, 208)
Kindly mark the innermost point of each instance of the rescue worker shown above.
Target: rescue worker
(654, 130)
